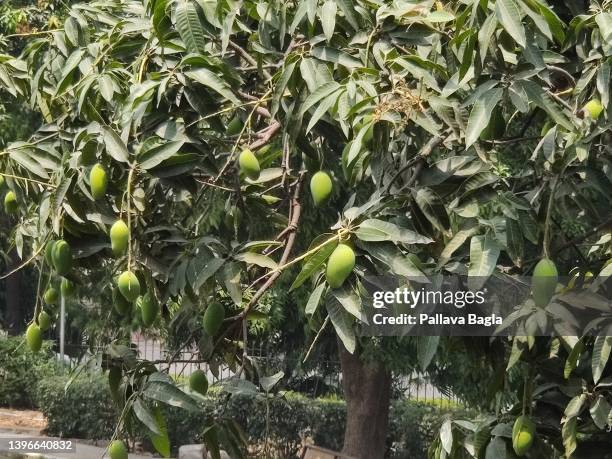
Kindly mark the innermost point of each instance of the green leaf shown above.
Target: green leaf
(348, 8)
(350, 302)
(170, 395)
(189, 27)
(427, 347)
(433, 208)
(335, 56)
(484, 252)
(155, 156)
(114, 145)
(509, 15)
(160, 441)
(568, 434)
(212, 81)
(313, 264)
(398, 263)
(481, 114)
(601, 355)
(538, 96)
(258, 259)
(68, 70)
(600, 410)
(320, 93)
(514, 240)
(230, 274)
(328, 18)
(374, 230)
(457, 241)
(342, 322)
(146, 416)
(572, 359)
(314, 299)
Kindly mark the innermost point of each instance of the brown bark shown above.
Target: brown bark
(367, 390)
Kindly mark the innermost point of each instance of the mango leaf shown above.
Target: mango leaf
(342, 322)
(375, 230)
(160, 441)
(509, 16)
(169, 394)
(426, 350)
(601, 354)
(484, 252)
(145, 416)
(398, 263)
(189, 27)
(335, 56)
(155, 156)
(211, 80)
(252, 258)
(328, 18)
(481, 114)
(314, 299)
(114, 145)
(350, 302)
(313, 263)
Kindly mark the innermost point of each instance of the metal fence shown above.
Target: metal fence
(324, 379)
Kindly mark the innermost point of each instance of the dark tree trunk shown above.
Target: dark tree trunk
(13, 295)
(367, 390)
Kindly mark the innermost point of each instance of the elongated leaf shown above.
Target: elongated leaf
(170, 395)
(258, 259)
(189, 27)
(336, 57)
(350, 302)
(481, 114)
(155, 156)
(484, 252)
(342, 322)
(320, 93)
(211, 80)
(313, 263)
(146, 416)
(601, 355)
(314, 299)
(426, 350)
(379, 230)
(509, 15)
(328, 18)
(114, 145)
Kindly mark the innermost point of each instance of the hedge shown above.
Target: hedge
(20, 371)
(85, 410)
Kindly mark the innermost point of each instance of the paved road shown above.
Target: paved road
(83, 451)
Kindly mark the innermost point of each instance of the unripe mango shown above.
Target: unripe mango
(523, 433)
(98, 181)
(44, 321)
(119, 236)
(544, 282)
(49, 252)
(249, 165)
(34, 337)
(149, 308)
(340, 265)
(593, 108)
(10, 203)
(51, 296)
(198, 382)
(320, 188)
(67, 288)
(213, 318)
(121, 305)
(129, 286)
(62, 257)
(117, 450)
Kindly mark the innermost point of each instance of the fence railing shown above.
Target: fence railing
(324, 379)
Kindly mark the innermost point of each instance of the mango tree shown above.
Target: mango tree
(210, 137)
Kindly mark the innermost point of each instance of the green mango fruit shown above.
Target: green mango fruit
(44, 321)
(67, 288)
(114, 380)
(320, 188)
(198, 382)
(129, 286)
(523, 433)
(10, 203)
(62, 257)
(119, 236)
(234, 126)
(49, 252)
(34, 337)
(117, 450)
(213, 318)
(340, 265)
(51, 296)
(593, 108)
(98, 181)
(121, 305)
(544, 282)
(149, 308)
(249, 165)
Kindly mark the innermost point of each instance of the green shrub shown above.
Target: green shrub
(82, 410)
(85, 410)
(20, 371)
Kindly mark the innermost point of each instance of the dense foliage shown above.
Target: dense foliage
(454, 134)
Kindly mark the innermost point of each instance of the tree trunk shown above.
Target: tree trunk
(367, 390)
